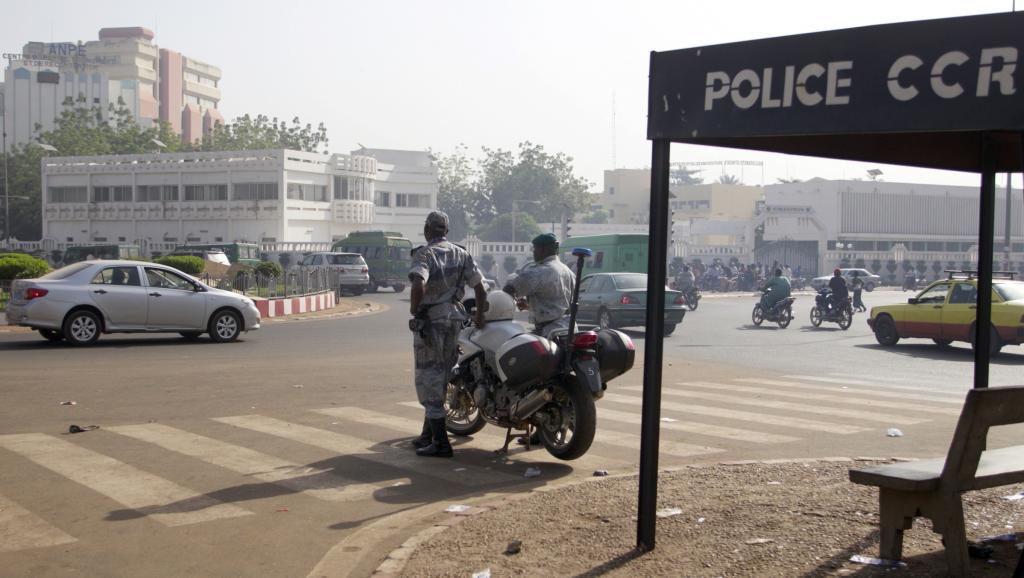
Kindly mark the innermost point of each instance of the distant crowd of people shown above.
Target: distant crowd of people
(719, 276)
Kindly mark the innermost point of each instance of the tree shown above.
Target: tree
(876, 266)
(859, 263)
(456, 190)
(596, 217)
(285, 259)
(260, 132)
(891, 268)
(784, 180)
(680, 175)
(937, 268)
(727, 179)
(500, 229)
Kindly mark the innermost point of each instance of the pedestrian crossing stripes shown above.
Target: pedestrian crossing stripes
(20, 529)
(630, 441)
(347, 445)
(321, 484)
(160, 499)
(957, 400)
(767, 419)
(786, 404)
(853, 381)
(872, 416)
(844, 399)
(702, 429)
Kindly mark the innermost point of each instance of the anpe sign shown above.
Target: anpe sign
(939, 75)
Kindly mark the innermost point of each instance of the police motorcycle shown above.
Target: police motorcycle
(515, 380)
(781, 313)
(825, 309)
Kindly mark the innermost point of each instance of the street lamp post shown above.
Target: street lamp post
(7, 192)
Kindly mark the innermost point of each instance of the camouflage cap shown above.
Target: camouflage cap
(437, 220)
(545, 239)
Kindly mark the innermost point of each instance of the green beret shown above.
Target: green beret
(545, 239)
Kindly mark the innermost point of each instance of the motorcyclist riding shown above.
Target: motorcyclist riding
(840, 293)
(686, 279)
(776, 289)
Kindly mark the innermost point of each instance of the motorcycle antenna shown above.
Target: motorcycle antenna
(581, 254)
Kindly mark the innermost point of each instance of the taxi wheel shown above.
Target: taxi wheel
(885, 331)
(994, 343)
(943, 342)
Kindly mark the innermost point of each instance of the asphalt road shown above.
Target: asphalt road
(257, 457)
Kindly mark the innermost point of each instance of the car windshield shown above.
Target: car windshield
(344, 259)
(631, 281)
(65, 272)
(1010, 291)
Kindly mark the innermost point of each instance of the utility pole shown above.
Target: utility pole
(1006, 225)
(7, 192)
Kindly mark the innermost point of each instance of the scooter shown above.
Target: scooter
(825, 310)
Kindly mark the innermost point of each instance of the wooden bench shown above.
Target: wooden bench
(932, 488)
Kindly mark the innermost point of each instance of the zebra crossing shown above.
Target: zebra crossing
(365, 454)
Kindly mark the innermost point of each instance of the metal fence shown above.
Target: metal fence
(291, 283)
(5, 294)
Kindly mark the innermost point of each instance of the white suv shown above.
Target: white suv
(353, 273)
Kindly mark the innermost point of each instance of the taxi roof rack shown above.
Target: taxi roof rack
(972, 273)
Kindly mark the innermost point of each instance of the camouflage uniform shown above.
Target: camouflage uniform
(446, 269)
(547, 285)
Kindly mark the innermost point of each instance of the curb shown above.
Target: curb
(344, 558)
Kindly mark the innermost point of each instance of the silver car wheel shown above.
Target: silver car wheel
(83, 328)
(227, 326)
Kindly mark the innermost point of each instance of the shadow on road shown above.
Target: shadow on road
(955, 354)
(32, 344)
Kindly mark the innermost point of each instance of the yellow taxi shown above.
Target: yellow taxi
(945, 312)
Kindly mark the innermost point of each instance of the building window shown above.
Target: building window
(121, 239)
(411, 200)
(611, 190)
(303, 192)
(156, 193)
(348, 189)
(100, 239)
(382, 198)
(256, 192)
(69, 194)
(218, 239)
(206, 192)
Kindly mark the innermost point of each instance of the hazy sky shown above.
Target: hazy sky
(418, 75)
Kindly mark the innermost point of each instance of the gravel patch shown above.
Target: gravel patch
(763, 520)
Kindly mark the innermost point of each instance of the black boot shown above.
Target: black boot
(439, 446)
(425, 436)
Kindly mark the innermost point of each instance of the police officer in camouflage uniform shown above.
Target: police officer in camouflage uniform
(544, 287)
(439, 273)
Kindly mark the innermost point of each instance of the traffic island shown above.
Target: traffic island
(766, 518)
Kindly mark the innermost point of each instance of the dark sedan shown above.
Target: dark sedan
(614, 300)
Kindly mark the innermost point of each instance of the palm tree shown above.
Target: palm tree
(727, 179)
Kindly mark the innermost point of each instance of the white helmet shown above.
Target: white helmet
(500, 306)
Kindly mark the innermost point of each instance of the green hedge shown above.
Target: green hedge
(185, 264)
(269, 269)
(21, 266)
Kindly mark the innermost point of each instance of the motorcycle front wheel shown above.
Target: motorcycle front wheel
(462, 416)
(567, 423)
(758, 315)
(816, 316)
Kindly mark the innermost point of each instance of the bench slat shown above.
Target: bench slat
(996, 468)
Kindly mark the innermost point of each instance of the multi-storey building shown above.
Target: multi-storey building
(123, 65)
(283, 199)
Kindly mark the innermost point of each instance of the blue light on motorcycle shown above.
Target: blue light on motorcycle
(582, 252)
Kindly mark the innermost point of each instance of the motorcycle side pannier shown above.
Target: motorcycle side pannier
(615, 353)
(526, 360)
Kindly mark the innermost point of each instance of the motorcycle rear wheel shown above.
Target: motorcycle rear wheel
(462, 417)
(785, 316)
(569, 421)
(845, 319)
(692, 301)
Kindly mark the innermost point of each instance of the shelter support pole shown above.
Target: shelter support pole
(986, 234)
(657, 257)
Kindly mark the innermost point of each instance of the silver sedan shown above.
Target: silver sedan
(79, 302)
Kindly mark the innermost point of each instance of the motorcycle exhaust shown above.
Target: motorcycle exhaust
(531, 402)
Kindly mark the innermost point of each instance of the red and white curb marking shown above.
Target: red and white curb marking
(292, 305)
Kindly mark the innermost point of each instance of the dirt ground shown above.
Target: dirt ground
(802, 519)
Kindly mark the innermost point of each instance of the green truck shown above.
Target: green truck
(243, 253)
(387, 255)
(77, 253)
(612, 253)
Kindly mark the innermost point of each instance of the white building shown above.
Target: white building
(406, 189)
(846, 221)
(286, 200)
